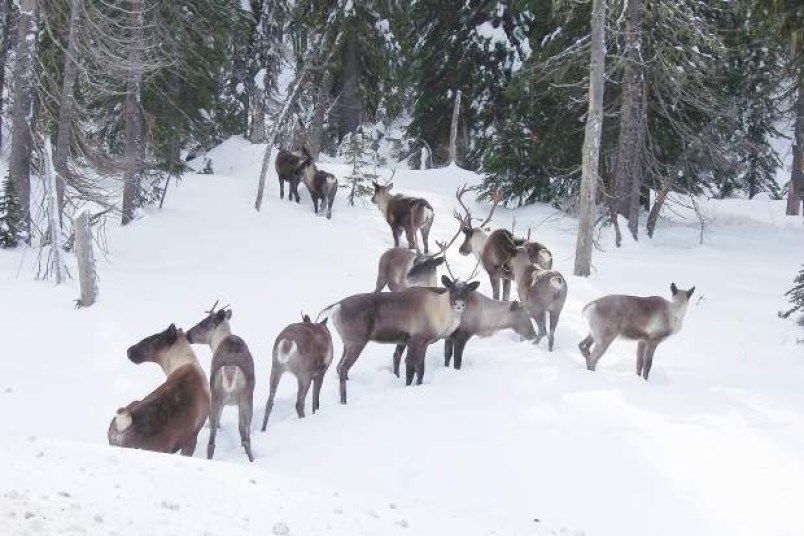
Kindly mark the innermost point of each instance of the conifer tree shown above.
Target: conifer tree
(11, 216)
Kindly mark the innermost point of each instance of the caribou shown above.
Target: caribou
(400, 268)
(403, 213)
(647, 320)
(169, 418)
(231, 378)
(305, 350)
(541, 292)
(415, 317)
(290, 168)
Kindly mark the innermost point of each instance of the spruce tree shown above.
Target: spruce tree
(796, 295)
(11, 216)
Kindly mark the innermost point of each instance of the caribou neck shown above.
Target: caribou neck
(180, 354)
(677, 312)
(520, 264)
(478, 242)
(220, 332)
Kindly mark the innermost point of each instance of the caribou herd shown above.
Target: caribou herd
(412, 315)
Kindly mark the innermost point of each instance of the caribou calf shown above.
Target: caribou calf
(400, 268)
(322, 187)
(647, 320)
(170, 417)
(305, 350)
(403, 213)
(414, 317)
(484, 317)
(540, 291)
(290, 168)
(231, 378)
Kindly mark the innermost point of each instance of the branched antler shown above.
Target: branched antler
(212, 309)
(496, 197)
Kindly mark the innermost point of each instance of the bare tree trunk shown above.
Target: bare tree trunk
(350, 106)
(67, 104)
(257, 134)
(658, 203)
(133, 118)
(320, 114)
(313, 56)
(86, 260)
(22, 98)
(795, 193)
(7, 16)
(453, 129)
(630, 144)
(57, 267)
(591, 142)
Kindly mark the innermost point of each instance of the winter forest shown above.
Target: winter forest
(336, 267)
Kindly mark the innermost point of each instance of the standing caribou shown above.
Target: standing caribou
(170, 417)
(403, 213)
(415, 317)
(541, 291)
(305, 350)
(290, 167)
(231, 377)
(647, 320)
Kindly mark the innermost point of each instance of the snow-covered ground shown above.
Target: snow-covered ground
(520, 441)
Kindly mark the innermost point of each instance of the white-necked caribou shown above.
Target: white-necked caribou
(169, 418)
(231, 377)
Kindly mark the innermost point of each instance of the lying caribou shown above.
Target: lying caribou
(291, 167)
(414, 317)
(484, 317)
(403, 213)
(305, 350)
(541, 292)
(401, 268)
(231, 377)
(647, 320)
(170, 417)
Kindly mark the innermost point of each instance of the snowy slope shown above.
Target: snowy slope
(713, 444)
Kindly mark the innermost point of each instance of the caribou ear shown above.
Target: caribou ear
(306, 318)
(689, 292)
(472, 286)
(376, 186)
(228, 314)
(171, 334)
(515, 305)
(446, 281)
(389, 185)
(438, 261)
(323, 322)
(673, 288)
(220, 315)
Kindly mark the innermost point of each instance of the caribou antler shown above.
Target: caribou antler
(212, 309)
(496, 197)
(464, 221)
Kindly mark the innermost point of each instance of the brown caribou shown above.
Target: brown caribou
(415, 317)
(541, 292)
(231, 376)
(403, 213)
(290, 168)
(169, 418)
(647, 320)
(305, 350)
(400, 268)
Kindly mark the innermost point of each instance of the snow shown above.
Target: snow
(712, 444)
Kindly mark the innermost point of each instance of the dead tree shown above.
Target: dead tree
(591, 142)
(56, 256)
(22, 97)
(86, 260)
(795, 193)
(67, 103)
(7, 16)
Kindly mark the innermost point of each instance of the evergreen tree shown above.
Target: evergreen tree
(796, 295)
(11, 216)
(359, 152)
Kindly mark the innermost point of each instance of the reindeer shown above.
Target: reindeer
(647, 320)
(400, 268)
(170, 417)
(231, 378)
(409, 214)
(322, 187)
(304, 349)
(414, 317)
(292, 167)
(484, 317)
(541, 291)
